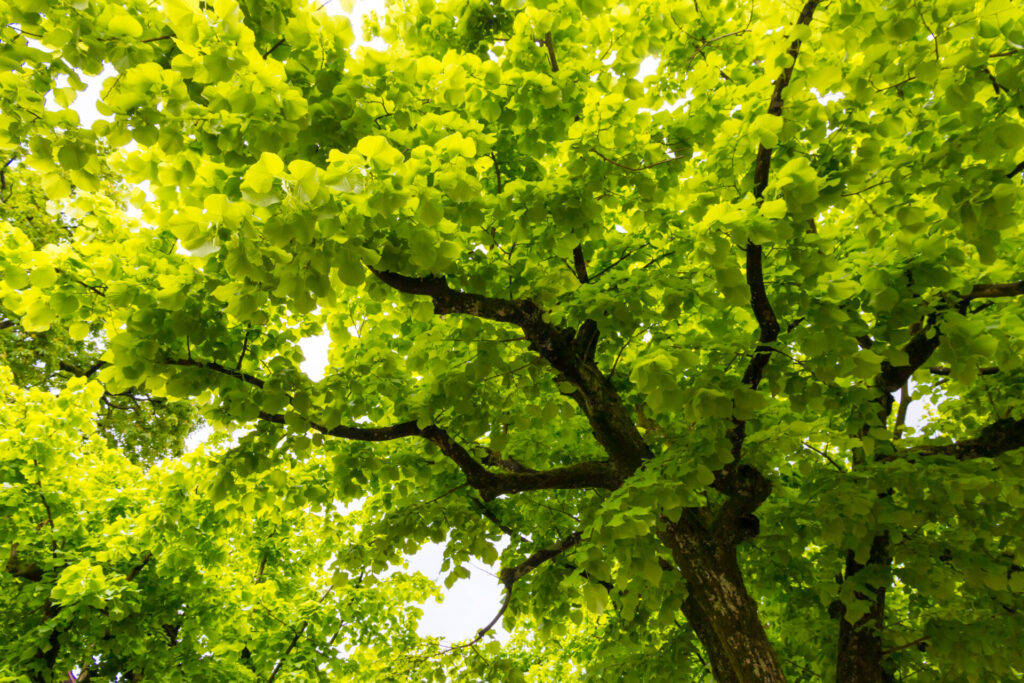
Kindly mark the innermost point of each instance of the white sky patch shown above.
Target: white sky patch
(198, 438)
(828, 97)
(468, 605)
(314, 353)
(85, 103)
(648, 67)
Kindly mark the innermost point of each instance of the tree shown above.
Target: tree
(658, 335)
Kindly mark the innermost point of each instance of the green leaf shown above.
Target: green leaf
(767, 128)
(350, 268)
(125, 26)
(72, 157)
(379, 152)
(595, 597)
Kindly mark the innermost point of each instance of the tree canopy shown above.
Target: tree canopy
(632, 298)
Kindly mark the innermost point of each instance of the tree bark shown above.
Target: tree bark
(712, 645)
(859, 659)
(719, 608)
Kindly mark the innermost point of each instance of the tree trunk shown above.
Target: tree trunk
(718, 607)
(712, 645)
(859, 659)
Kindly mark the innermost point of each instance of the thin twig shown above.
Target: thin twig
(912, 643)
(276, 45)
(826, 456)
(550, 43)
(636, 169)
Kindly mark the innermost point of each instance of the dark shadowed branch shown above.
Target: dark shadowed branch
(600, 402)
(995, 439)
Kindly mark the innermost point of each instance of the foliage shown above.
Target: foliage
(654, 337)
(115, 569)
(144, 427)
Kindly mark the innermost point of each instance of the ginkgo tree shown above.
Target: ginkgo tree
(656, 337)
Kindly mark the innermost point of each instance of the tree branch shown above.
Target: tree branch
(945, 372)
(636, 169)
(273, 47)
(217, 367)
(18, 568)
(510, 575)
(294, 642)
(580, 264)
(926, 340)
(901, 412)
(598, 399)
(134, 571)
(995, 291)
(95, 289)
(746, 490)
(487, 513)
(591, 474)
(550, 43)
(762, 307)
(995, 439)
(88, 372)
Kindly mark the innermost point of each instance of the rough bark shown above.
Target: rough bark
(712, 645)
(860, 655)
(719, 608)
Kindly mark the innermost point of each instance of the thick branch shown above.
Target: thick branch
(510, 575)
(994, 440)
(585, 342)
(599, 400)
(18, 568)
(747, 488)
(593, 474)
(579, 264)
(78, 372)
(946, 372)
(762, 307)
(921, 346)
(738, 513)
(994, 291)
